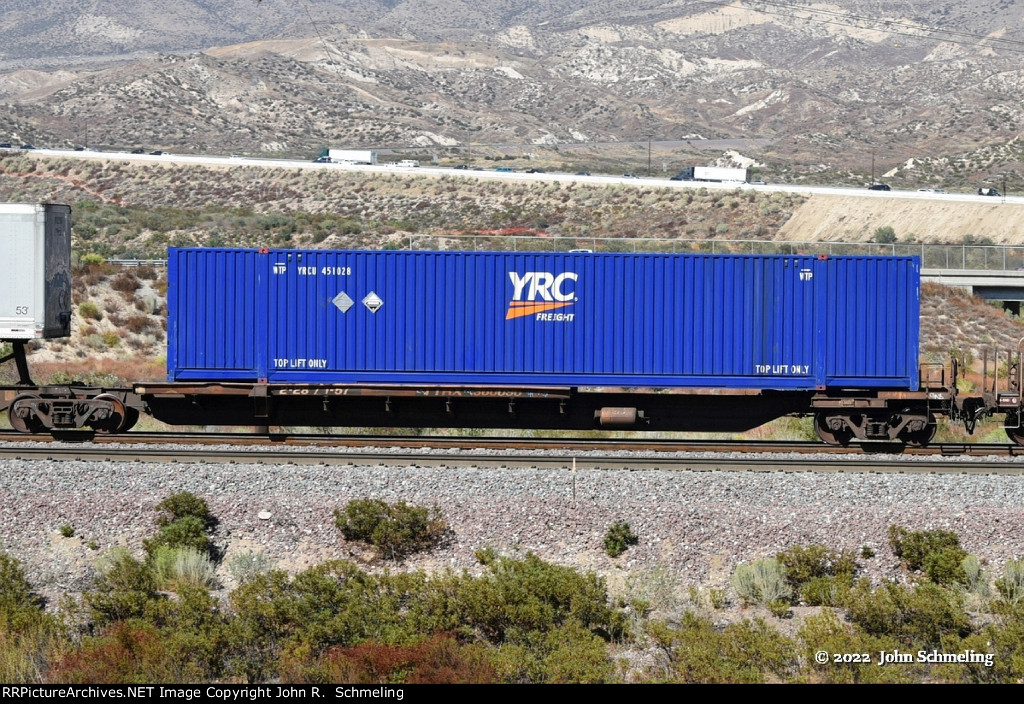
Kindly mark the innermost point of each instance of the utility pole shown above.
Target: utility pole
(649, 136)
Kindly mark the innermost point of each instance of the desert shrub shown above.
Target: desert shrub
(333, 604)
(566, 654)
(745, 652)
(1011, 585)
(515, 597)
(397, 530)
(761, 582)
(825, 633)
(29, 637)
(619, 537)
(818, 575)
(125, 283)
(89, 311)
(246, 566)
(185, 532)
(186, 650)
(124, 589)
(184, 521)
(184, 504)
(19, 605)
(803, 563)
(936, 552)
(885, 235)
(918, 617)
(438, 659)
(826, 591)
(111, 339)
(138, 324)
(175, 567)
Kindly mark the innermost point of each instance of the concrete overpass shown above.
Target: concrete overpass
(1005, 286)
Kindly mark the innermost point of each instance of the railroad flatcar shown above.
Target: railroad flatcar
(544, 340)
(574, 340)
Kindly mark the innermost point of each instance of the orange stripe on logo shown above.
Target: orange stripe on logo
(518, 309)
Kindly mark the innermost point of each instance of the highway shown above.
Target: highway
(491, 174)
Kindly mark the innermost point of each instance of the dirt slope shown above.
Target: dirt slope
(855, 218)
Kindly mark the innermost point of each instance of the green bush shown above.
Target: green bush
(124, 589)
(184, 520)
(186, 532)
(804, 563)
(620, 536)
(89, 311)
(741, 653)
(397, 530)
(825, 633)
(919, 617)
(936, 552)
(183, 504)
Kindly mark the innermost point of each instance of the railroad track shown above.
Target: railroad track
(578, 453)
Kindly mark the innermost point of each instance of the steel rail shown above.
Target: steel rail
(511, 459)
(652, 444)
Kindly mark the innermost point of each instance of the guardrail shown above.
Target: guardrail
(933, 256)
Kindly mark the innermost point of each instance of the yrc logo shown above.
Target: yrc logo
(539, 292)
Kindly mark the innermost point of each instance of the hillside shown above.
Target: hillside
(795, 91)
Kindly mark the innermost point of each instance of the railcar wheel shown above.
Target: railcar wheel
(1014, 431)
(21, 417)
(131, 419)
(117, 421)
(920, 438)
(830, 436)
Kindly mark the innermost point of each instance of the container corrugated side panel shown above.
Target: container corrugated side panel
(661, 320)
(213, 300)
(872, 319)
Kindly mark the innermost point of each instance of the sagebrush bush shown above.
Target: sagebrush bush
(246, 566)
(397, 530)
(176, 567)
(1011, 585)
(761, 582)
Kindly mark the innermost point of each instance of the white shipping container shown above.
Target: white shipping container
(35, 299)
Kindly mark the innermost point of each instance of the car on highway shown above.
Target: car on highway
(506, 169)
(582, 173)
(462, 167)
(630, 176)
(988, 192)
(138, 151)
(27, 146)
(879, 187)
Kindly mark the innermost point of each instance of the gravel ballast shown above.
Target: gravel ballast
(697, 526)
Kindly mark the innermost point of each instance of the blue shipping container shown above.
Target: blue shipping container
(561, 319)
